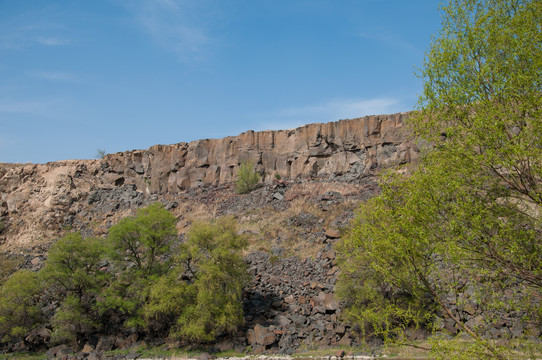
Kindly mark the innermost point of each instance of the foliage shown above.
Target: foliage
(466, 222)
(8, 265)
(19, 312)
(143, 240)
(203, 294)
(74, 277)
(100, 154)
(247, 178)
(140, 247)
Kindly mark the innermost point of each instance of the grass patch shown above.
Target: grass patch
(24, 356)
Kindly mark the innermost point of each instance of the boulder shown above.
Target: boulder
(58, 351)
(333, 233)
(38, 336)
(263, 336)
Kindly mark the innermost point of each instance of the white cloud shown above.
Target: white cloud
(331, 111)
(30, 107)
(176, 26)
(52, 41)
(56, 76)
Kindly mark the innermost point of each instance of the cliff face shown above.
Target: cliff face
(38, 201)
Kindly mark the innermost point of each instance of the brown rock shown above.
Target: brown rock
(333, 233)
(340, 329)
(251, 339)
(290, 299)
(263, 336)
(345, 341)
(105, 343)
(58, 351)
(38, 336)
(87, 349)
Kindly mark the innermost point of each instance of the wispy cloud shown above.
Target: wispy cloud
(29, 106)
(390, 39)
(24, 36)
(331, 111)
(56, 76)
(52, 41)
(175, 25)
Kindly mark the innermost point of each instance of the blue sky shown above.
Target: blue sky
(77, 76)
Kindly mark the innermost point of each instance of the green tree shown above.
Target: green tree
(140, 247)
(247, 178)
(74, 277)
(142, 241)
(466, 222)
(202, 297)
(19, 311)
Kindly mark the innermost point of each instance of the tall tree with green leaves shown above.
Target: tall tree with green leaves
(466, 222)
(19, 310)
(202, 298)
(73, 276)
(139, 247)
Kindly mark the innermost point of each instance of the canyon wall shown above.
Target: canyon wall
(38, 201)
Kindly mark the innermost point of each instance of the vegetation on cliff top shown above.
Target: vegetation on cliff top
(464, 228)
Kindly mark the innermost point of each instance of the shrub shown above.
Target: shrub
(8, 265)
(247, 178)
(100, 154)
(140, 247)
(19, 312)
(201, 299)
(143, 240)
(72, 274)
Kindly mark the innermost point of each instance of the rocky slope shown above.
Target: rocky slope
(40, 201)
(326, 170)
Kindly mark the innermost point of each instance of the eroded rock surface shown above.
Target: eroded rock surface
(40, 201)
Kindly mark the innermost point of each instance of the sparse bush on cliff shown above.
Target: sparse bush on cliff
(247, 178)
(201, 298)
(19, 312)
(100, 154)
(467, 220)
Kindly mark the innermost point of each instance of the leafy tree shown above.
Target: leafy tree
(247, 178)
(73, 276)
(19, 312)
(466, 222)
(143, 240)
(202, 297)
(140, 246)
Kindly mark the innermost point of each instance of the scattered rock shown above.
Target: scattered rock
(333, 234)
(58, 351)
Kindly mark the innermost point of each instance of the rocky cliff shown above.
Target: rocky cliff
(39, 201)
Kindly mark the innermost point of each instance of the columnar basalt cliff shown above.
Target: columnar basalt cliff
(39, 200)
(346, 148)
